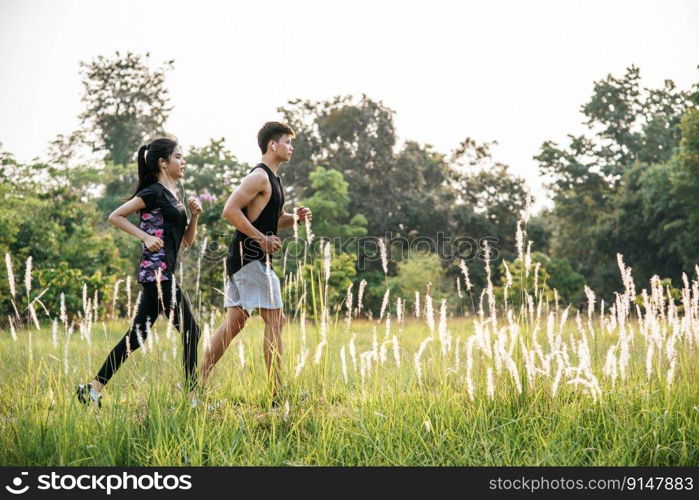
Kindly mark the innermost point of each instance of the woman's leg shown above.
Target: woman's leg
(187, 326)
(146, 313)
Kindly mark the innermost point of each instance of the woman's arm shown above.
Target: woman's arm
(191, 233)
(118, 219)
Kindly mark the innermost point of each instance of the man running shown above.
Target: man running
(256, 210)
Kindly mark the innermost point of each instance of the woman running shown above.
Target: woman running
(162, 227)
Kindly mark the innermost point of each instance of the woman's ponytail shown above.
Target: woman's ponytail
(141, 161)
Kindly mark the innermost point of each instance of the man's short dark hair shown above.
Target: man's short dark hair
(272, 131)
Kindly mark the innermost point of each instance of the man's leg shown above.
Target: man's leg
(274, 322)
(231, 326)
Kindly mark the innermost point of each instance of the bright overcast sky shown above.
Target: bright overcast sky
(516, 72)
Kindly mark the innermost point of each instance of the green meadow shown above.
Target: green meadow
(368, 396)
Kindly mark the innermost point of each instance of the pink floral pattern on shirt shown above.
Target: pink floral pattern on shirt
(152, 223)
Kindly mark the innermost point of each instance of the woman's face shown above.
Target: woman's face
(175, 168)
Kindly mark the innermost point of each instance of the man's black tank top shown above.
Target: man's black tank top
(244, 249)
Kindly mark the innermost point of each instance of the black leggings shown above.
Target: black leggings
(148, 310)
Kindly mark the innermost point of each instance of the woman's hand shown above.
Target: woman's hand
(153, 243)
(194, 206)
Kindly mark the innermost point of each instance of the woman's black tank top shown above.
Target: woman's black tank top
(243, 249)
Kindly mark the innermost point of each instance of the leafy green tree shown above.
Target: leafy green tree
(408, 191)
(64, 233)
(399, 193)
(355, 138)
(491, 192)
(328, 202)
(416, 196)
(125, 102)
(641, 226)
(593, 181)
(634, 125)
(419, 272)
(212, 169)
(685, 184)
(342, 274)
(545, 276)
(564, 279)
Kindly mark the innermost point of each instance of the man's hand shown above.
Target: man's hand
(304, 214)
(270, 244)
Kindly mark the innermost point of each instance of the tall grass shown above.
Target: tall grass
(541, 384)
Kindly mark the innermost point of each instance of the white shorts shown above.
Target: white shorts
(253, 286)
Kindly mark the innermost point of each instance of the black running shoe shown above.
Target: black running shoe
(276, 402)
(86, 395)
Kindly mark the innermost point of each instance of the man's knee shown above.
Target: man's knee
(236, 318)
(273, 317)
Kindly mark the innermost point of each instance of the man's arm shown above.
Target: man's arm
(253, 184)
(287, 220)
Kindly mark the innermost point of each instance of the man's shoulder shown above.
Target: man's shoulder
(258, 177)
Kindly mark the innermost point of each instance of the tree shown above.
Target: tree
(631, 124)
(64, 233)
(125, 102)
(418, 273)
(212, 169)
(416, 196)
(328, 202)
(488, 188)
(399, 193)
(685, 184)
(550, 274)
(593, 181)
(353, 137)
(642, 226)
(407, 190)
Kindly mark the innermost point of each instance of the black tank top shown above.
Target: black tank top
(244, 249)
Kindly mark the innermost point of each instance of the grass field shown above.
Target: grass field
(517, 393)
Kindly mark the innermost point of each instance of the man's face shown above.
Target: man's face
(283, 148)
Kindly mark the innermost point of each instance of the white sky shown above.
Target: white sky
(516, 72)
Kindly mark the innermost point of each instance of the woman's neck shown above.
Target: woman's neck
(169, 184)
